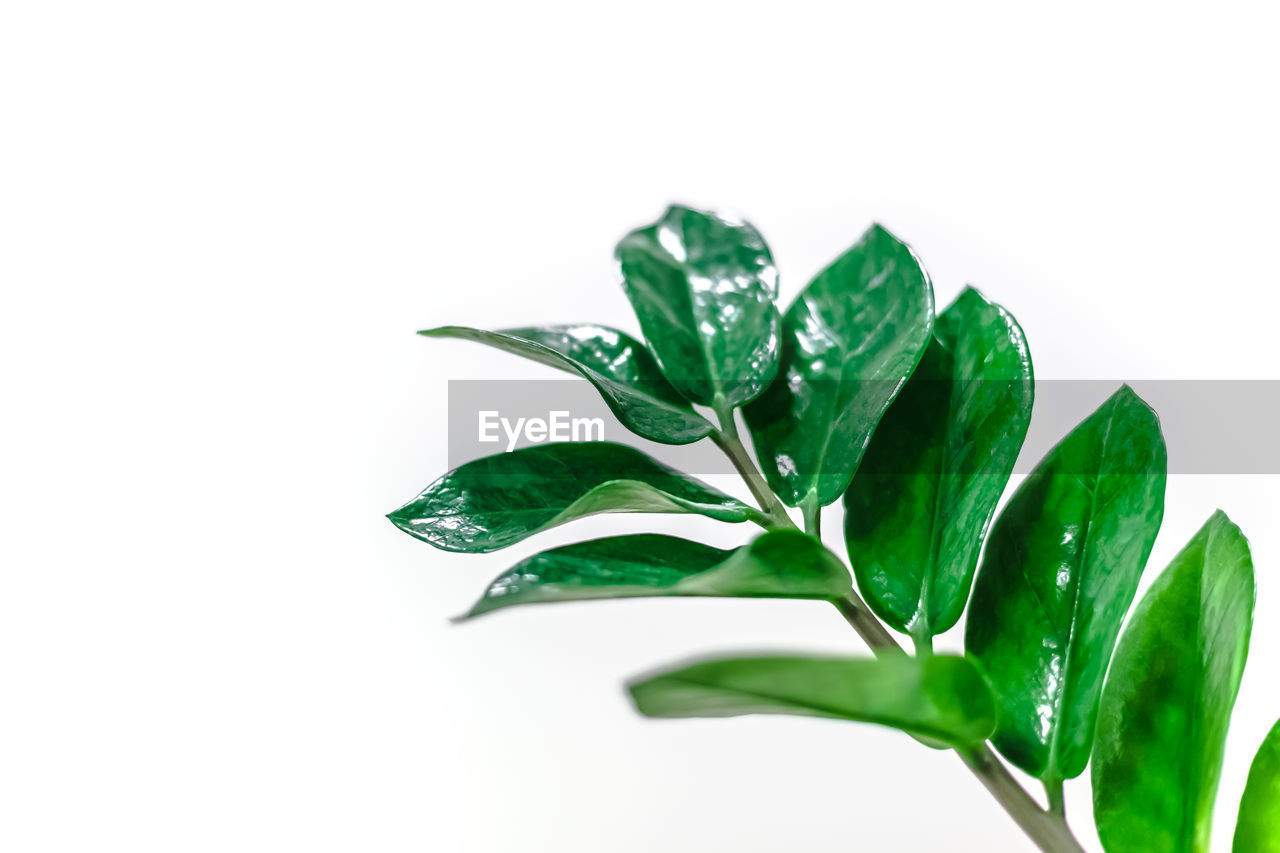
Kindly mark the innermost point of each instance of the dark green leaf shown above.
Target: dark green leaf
(1258, 827)
(1163, 722)
(703, 286)
(499, 500)
(927, 487)
(619, 366)
(1059, 572)
(943, 698)
(848, 344)
(778, 564)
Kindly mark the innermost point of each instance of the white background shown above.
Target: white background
(220, 224)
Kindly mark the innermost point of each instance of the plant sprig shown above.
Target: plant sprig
(859, 392)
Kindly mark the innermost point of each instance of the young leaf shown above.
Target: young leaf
(1163, 722)
(619, 366)
(942, 697)
(499, 500)
(1060, 570)
(702, 286)
(778, 564)
(848, 344)
(927, 487)
(1258, 827)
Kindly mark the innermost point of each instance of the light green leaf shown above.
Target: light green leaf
(943, 698)
(1258, 826)
(1165, 711)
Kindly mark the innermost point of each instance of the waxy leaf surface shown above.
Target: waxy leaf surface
(778, 564)
(1059, 573)
(1258, 826)
(619, 366)
(702, 286)
(929, 482)
(942, 698)
(499, 500)
(848, 344)
(1163, 722)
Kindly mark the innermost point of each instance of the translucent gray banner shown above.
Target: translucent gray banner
(1225, 427)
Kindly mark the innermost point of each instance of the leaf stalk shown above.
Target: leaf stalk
(812, 515)
(1057, 798)
(1047, 830)
(727, 439)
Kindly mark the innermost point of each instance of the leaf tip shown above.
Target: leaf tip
(1220, 523)
(636, 690)
(676, 209)
(879, 232)
(1125, 399)
(1127, 396)
(483, 606)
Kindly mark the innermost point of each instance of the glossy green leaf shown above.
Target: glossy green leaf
(1258, 827)
(848, 344)
(499, 500)
(929, 482)
(943, 698)
(1163, 722)
(778, 564)
(1060, 570)
(619, 366)
(702, 286)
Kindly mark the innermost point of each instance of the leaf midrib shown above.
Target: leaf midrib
(686, 271)
(1068, 681)
(1191, 780)
(704, 343)
(846, 355)
(568, 511)
(935, 543)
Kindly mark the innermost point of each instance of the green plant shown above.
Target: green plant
(858, 392)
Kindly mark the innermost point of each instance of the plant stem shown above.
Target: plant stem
(1057, 798)
(812, 515)
(1048, 830)
(726, 438)
(869, 628)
